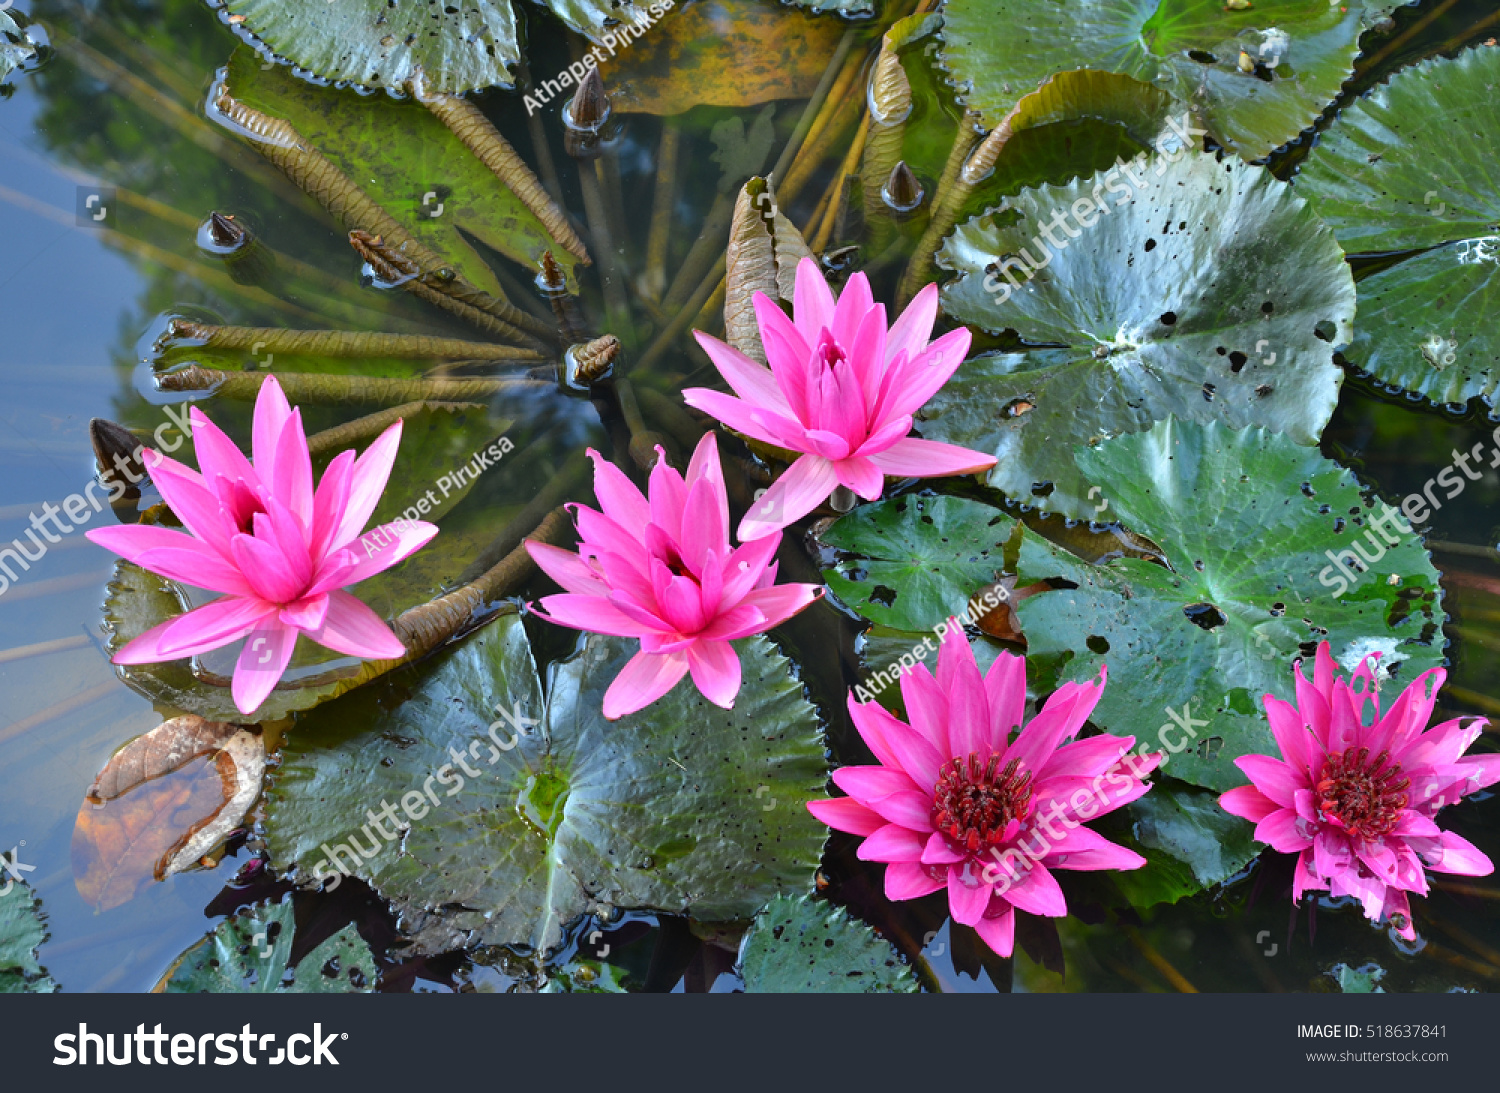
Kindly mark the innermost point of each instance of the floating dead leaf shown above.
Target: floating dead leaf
(161, 803)
(722, 53)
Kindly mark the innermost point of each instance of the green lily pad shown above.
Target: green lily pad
(383, 46)
(1189, 842)
(408, 161)
(250, 953)
(682, 808)
(17, 48)
(1207, 292)
(1252, 586)
(1361, 980)
(23, 928)
(1300, 52)
(1411, 167)
(915, 560)
(807, 946)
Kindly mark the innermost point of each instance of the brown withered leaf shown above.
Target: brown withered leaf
(1001, 621)
(721, 53)
(762, 256)
(161, 803)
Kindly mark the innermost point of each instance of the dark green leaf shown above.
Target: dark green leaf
(681, 808)
(916, 560)
(250, 953)
(1189, 841)
(807, 946)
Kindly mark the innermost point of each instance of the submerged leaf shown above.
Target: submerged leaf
(1411, 167)
(251, 953)
(764, 249)
(503, 835)
(721, 53)
(408, 162)
(1189, 842)
(1209, 291)
(807, 946)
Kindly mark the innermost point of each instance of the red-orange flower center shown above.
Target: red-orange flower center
(1364, 795)
(973, 804)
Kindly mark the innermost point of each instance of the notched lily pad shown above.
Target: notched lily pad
(683, 807)
(382, 45)
(1207, 290)
(1256, 75)
(251, 953)
(911, 562)
(1189, 842)
(807, 946)
(1410, 167)
(1251, 583)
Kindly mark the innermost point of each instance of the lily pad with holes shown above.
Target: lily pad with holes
(377, 45)
(683, 807)
(1208, 291)
(1255, 77)
(17, 48)
(23, 928)
(808, 946)
(408, 162)
(251, 953)
(910, 562)
(1411, 167)
(1078, 123)
(1247, 522)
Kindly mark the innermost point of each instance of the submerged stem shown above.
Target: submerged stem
(344, 343)
(327, 390)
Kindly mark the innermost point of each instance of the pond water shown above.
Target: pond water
(116, 113)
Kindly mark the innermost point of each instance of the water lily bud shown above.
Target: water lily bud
(902, 192)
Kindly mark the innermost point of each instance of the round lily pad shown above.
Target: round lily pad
(807, 946)
(251, 953)
(1254, 529)
(683, 807)
(1208, 290)
(1256, 76)
(1411, 167)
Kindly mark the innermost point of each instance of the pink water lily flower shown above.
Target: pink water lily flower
(662, 570)
(1355, 790)
(279, 551)
(956, 803)
(841, 390)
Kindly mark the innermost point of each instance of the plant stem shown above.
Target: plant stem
(944, 213)
(568, 478)
(814, 104)
(495, 152)
(345, 343)
(351, 433)
(328, 390)
(654, 280)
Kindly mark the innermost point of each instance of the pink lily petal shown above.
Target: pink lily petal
(351, 628)
(909, 880)
(967, 899)
(262, 662)
(644, 679)
(846, 814)
(892, 843)
(914, 458)
(367, 481)
(211, 626)
(998, 931)
(716, 671)
(804, 486)
(750, 381)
